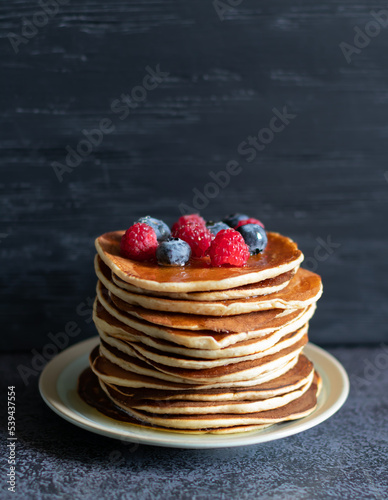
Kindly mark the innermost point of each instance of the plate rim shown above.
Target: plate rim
(50, 375)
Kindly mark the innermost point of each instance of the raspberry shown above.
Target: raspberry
(139, 242)
(196, 218)
(197, 236)
(249, 221)
(228, 248)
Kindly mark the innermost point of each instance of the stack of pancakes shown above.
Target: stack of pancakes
(204, 349)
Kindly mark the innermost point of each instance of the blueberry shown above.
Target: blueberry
(173, 252)
(215, 227)
(233, 219)
(161, 229)
(254, 236)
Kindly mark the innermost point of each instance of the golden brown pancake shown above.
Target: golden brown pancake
(291, 380)
(241, 407)
(90, 391)
(298, 408)
(280, 256)
(243, 370)
(226, 324)
(183, 361)
(258, 326)
(115, 328)
(144, 377)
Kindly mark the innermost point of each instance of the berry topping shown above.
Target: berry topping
(196, 218)
(254, 236)
(249, 221)
(173, 252)
(161, 229)
(233, 219)
(197, 236)
(216, 227)
(228, 248)
(139, 242)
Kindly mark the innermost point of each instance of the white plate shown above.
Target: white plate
(58, 387)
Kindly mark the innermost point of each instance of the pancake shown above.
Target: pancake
(180, 361)
(265, 287)
(304, 289)
(225, 324)
(292, 379)
(194, 322)
(259, 326)
(113, 374)
(298, 408)
(243, 370)
(184, 407)
(118, 330)
(280, 256)
(90, 391)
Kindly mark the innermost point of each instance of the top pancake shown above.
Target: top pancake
(280, 256)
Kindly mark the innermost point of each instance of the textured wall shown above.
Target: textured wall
(321, 176)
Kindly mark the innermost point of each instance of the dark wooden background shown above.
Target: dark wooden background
(322, 176)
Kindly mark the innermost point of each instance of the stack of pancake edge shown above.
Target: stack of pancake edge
(201, 349)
